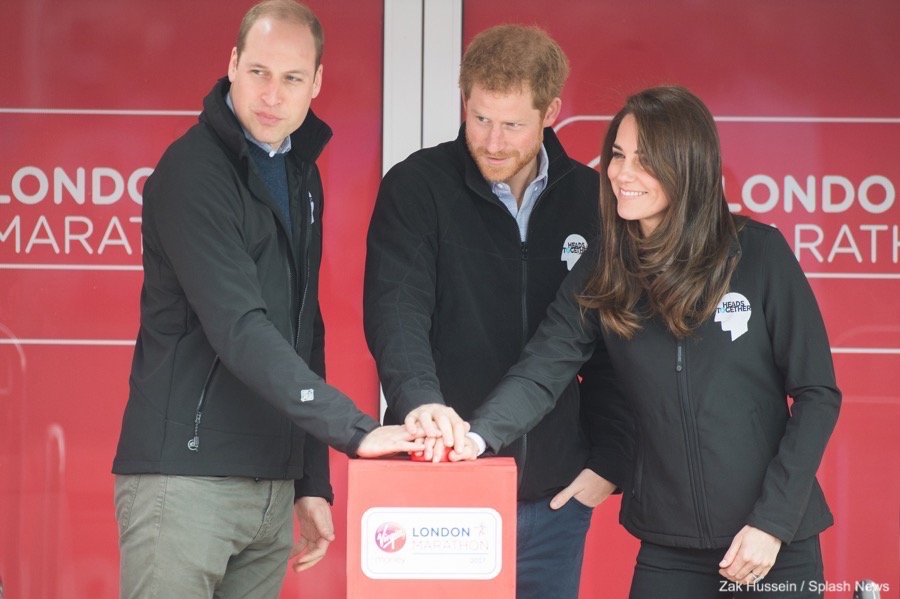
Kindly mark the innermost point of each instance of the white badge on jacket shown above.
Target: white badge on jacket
(734, 314)
(573, 247)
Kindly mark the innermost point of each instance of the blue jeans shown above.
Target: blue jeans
(550, 548)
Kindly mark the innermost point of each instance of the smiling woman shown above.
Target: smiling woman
(709, 322)
(640, 195)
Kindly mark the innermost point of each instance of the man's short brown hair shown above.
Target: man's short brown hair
(283, 10)
(513, 58)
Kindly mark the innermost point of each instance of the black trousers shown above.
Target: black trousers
(674, 573)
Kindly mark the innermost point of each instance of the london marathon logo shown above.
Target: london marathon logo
(390, 537)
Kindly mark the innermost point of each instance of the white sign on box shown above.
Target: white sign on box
(431, 543)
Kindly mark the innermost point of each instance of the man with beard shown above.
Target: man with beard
(468, 244)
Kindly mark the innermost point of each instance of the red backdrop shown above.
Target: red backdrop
(94, 90)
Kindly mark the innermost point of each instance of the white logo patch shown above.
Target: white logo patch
(734, 314)
(573, 247)
(307, 395)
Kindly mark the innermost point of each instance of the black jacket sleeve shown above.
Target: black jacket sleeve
(802, 353)
(399, 291)
(563, 342)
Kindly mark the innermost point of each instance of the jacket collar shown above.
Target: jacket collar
(559, 162)
(734, 244)
(307, 142)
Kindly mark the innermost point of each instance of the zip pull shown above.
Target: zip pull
(194, 444)
(679, 363)
(524, 251)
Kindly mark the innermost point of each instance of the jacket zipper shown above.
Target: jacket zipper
(304, 202)
(523, 445)
(693, 449)
(194, 443)
(305, 281)
(522, 450)
(296, 332)
(523, 440)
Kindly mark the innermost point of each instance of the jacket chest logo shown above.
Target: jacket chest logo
(734, 314)
(573, 247)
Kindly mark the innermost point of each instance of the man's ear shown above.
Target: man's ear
(232, 64)
(317, 81)
(552, 112)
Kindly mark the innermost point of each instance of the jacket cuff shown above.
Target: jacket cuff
(611, 466)
(357, 439)
(776, 530)
(310, 487)
(493, 443)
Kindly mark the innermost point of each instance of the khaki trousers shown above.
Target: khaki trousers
(203, 537)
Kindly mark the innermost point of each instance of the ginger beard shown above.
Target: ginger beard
(515, 161)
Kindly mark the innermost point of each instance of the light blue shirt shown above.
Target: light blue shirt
(285, 145)
(523, 213)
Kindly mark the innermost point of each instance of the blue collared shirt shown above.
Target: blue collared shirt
(523, 213)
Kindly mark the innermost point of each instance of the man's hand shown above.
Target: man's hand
(316, 532)
(434, 450)
(469, 451)
(437, 420)
(750, 557)
(386, 440)
(588, 488)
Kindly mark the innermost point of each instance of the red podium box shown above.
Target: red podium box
(447, 528)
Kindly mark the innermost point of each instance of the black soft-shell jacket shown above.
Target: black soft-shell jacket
(221, 381)
(717, 444)
(452, 295)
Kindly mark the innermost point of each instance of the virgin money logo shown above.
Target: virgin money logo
(390, 537)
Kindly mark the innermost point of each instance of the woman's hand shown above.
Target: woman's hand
(589, 488)
(750, 557)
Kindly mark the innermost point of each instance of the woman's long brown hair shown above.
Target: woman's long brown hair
(679, 272)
